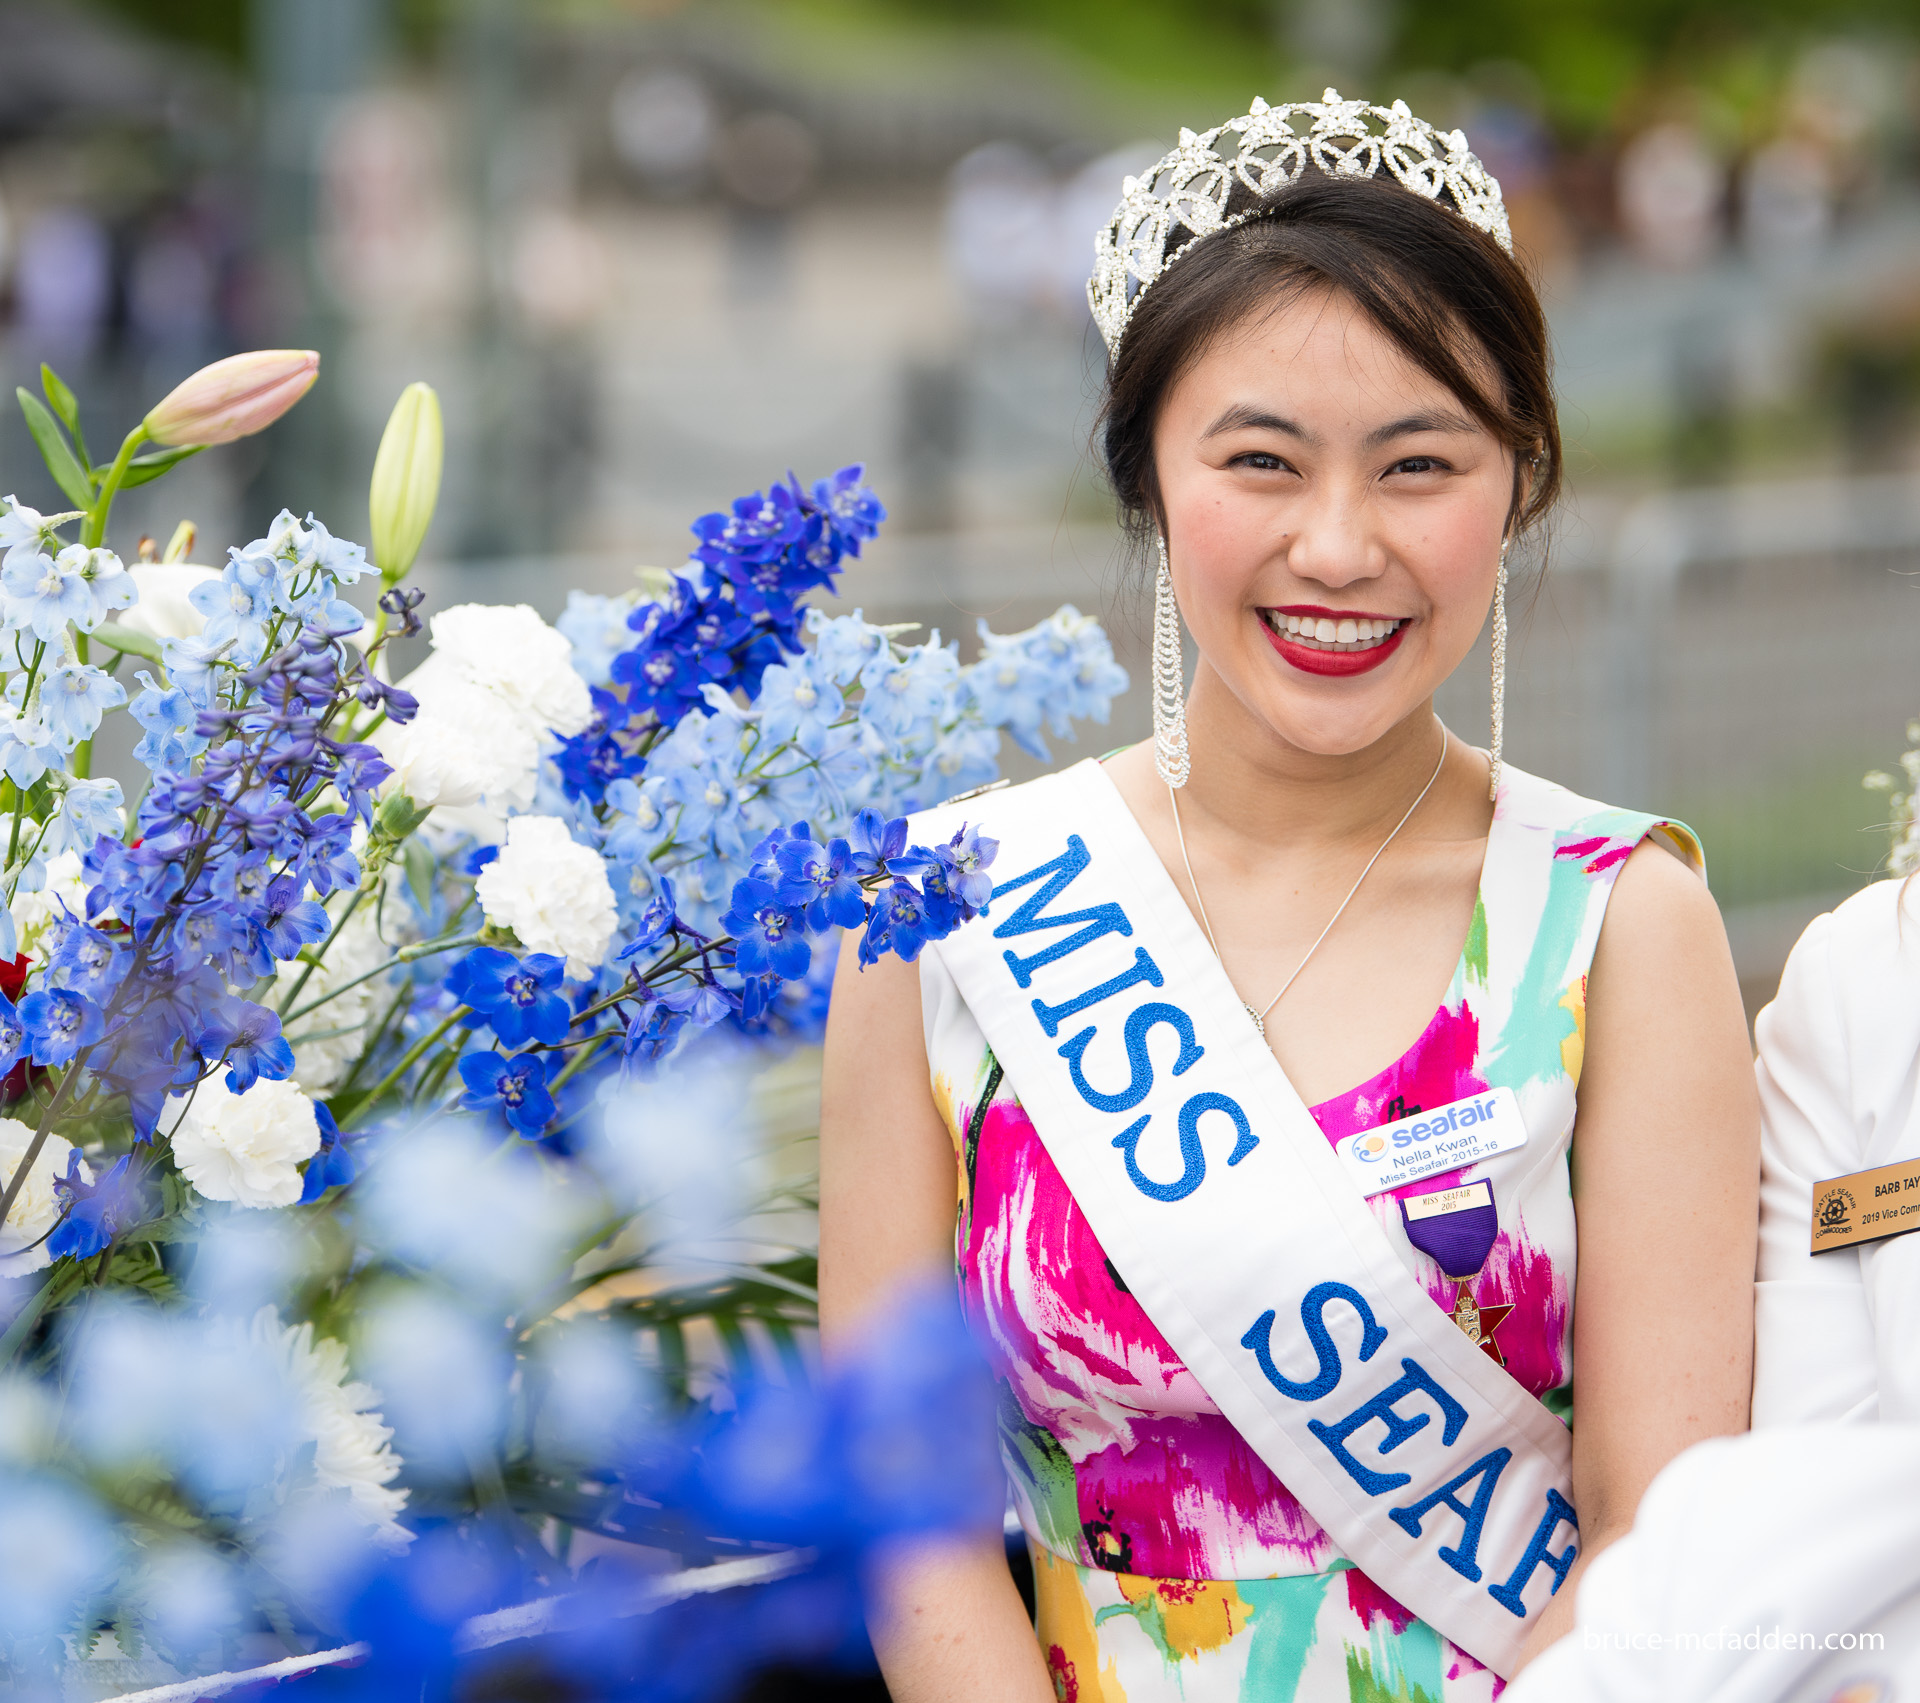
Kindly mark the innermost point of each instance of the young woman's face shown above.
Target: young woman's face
(1334, 518)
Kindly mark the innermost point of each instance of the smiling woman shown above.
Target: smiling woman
(1329, 414)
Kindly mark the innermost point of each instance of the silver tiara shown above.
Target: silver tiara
(1190, 187)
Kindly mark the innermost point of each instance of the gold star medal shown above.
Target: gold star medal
(1456, 1229)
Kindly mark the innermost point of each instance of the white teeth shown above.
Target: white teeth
(1324, 633)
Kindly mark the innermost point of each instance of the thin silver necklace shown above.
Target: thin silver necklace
(1260, 1017)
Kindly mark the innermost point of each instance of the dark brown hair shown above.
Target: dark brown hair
(1447, 294)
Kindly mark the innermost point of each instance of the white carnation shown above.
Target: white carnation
(36, 1209)
(352, 1450)
(326, 1041)
(465, 744)
(552, 892)
(246, 1148)
(163, 611)
(511, 652)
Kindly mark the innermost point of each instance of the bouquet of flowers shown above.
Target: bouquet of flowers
(363, 1031)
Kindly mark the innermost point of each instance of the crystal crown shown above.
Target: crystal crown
(1191, 186)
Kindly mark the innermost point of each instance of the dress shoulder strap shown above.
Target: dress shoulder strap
(1552, 859)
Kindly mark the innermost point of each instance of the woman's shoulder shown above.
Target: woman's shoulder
(1600, 837)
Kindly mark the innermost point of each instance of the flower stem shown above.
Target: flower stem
(408, 1060)
(93, 533)
(406, 955)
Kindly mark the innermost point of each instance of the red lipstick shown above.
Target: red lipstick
(1310, 659)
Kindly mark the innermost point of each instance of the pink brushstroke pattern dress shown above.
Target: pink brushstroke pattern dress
(1170, 1562)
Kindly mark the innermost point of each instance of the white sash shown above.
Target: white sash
(1233, 1223)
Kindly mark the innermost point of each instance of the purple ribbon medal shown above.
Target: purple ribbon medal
(1456, 1229)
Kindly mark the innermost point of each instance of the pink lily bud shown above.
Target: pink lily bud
(233, 398)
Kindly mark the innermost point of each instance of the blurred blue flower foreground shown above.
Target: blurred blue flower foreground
(391, 1257)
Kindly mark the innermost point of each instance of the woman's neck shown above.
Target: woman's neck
(1249, 788)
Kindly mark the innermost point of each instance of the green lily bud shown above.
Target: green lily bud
(406, 480)
(233, 398)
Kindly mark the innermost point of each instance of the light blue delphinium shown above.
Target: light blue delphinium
(1082, 678)
(798, 700)
(87, 810)
(843, 645)
(21, 528)
(74, 697)
(27, 748)
(1008, 688)
(237, 607)
(189, 664)
(902, 693)
(43, 593)
(168, 715)
(597, 629)
(109, 585)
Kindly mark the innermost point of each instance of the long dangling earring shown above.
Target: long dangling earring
(1499, 672)
(1169, 680)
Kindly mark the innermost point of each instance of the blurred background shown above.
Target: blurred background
(654, 254)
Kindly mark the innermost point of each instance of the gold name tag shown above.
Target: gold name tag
(1866, 1206)
(1448, 1200)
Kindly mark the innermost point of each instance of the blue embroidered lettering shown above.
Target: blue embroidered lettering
(1143, 1020)
(1559, 1512)
(1399, 1427)
(1465, 1560)
(1144, 970)
(1193, 1162)
(1027, 919)
(1313, 1316)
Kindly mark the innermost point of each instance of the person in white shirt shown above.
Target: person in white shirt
(1784, 1566)
(1839, 1067)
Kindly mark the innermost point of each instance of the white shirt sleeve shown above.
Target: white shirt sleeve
(1814, 1356)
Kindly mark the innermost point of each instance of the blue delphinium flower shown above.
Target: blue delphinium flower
(168, 715)
(43, 593)
(291, 922)
(13, 1035)
(769, 938)
(59, 1024)
(899, 924)
(850, 508)
(519, 998)
(75, 696)
(190, 665)
(657, 921)
(333, 1166)
(257, 1047)
(93, 1213)
(821, 879)
(86, 961)
(966, 856)
(515, 1087)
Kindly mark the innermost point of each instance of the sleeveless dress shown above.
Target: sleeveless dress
(1169, 1561)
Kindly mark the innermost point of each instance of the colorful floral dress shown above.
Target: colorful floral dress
(1169, 1560)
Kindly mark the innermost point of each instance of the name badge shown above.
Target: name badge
(1443, 1139)
(1866, 1206)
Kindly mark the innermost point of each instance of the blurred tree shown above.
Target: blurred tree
(1586, 54)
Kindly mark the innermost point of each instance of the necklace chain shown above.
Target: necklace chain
(1260, 1017)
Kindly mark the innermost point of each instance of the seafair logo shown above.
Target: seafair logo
(1370, 1146)
(1417, 1131)
(1833, 1214)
